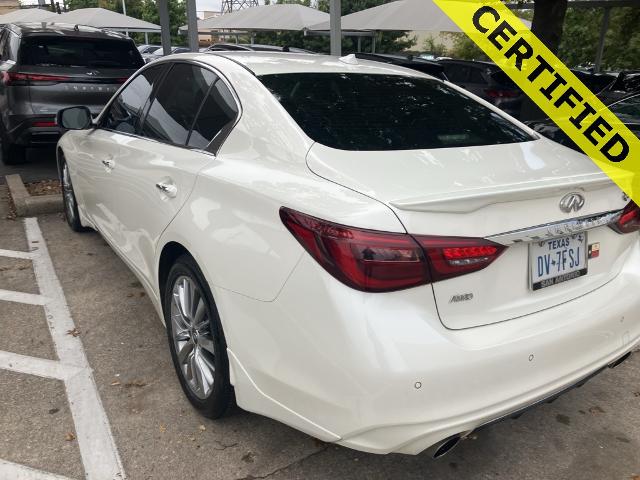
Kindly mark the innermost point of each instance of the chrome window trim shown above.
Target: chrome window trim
(556, 229)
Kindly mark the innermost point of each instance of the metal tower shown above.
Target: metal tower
(233, 5)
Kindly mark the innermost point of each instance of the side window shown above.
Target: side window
(476, 76)
(176, 104)
(218, 111)
(124, 112)
(458, 73)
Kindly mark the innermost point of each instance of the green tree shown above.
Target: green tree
(582, 32)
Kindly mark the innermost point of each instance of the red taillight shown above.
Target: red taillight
(498, 93)
(453, 256)
(629, 220)
(374, 261)
(44, 124)
(15, 78)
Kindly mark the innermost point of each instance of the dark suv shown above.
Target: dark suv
(486, 80)
(46, 67)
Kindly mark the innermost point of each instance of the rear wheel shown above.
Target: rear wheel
(196, 340)
(13, 154)
(69, 200)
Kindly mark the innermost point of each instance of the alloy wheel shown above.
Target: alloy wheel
(192, 336)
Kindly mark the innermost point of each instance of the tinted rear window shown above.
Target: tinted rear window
(351, 111)
(79, 52)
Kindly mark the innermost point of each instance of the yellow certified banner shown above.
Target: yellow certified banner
(552, 86)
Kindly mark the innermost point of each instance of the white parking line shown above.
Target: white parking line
(36, 366)
(21, 297)
(13, 471)
(16, 254)
(98, 450)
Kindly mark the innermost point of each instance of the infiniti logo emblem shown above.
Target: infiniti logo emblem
(571, 202)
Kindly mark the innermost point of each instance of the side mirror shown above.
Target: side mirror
(75, 118)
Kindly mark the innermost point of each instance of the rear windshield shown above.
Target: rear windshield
(79, 52)
(353, 111)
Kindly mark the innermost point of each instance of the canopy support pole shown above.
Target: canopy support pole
(335, 27)
(165, 26)
(146, 38)
(373, 42)
(192, 25)
(603, 32)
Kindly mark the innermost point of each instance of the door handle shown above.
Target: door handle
(169, 189)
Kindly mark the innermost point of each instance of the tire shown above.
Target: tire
(196, 340)
(69, 202)
(13, 154)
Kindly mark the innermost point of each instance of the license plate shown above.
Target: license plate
(557, 260)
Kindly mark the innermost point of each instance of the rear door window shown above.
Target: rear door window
(177, 102)
(124, 112)
(457, 73)
(355, 111)
(216, 116)
(64, 51)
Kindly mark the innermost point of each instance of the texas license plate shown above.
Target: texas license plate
(557, 260)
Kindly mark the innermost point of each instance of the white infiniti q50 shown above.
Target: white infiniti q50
(363, 252)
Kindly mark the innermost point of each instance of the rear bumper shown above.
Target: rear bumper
(380, 373)
(22, 131)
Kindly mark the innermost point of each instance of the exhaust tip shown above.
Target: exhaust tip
(446, 446)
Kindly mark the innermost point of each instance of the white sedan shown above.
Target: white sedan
(363, 252)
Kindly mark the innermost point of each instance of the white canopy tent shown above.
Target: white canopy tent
(103, 18)
(287, 16)
(25, 15)
(401, 15)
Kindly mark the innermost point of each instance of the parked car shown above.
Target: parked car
(47, 66)
(415, 63)
(486, 80)
(148, 48)
(627, 110)
(159, 53)
(358, 250)
(626, 82)
(247, 47)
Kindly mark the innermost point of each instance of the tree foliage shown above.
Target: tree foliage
(622, 41)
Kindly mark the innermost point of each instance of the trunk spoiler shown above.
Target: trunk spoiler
(474, 199)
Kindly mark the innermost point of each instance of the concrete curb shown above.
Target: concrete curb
(28, 205)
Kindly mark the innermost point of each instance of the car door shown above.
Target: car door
(155, 177)
(101, 149)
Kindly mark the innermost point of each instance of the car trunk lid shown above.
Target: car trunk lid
(487, 191)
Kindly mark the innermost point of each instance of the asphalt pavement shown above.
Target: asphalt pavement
(590, 433)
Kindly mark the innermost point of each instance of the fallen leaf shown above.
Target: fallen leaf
(202, 428)
(115, 383)
(636, 394)
(163, 428)
(74, 333)
(135, 383)
(70, 437)
(596, 410)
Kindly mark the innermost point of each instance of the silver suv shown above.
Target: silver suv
(47, 67)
